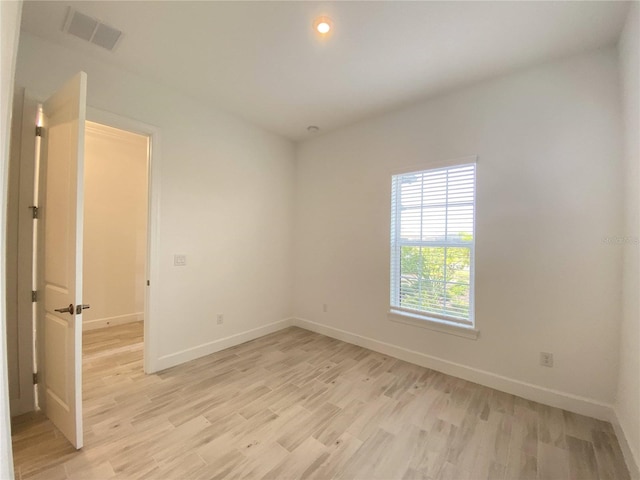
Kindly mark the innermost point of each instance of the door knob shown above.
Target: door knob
(79, 308)
(68, 309)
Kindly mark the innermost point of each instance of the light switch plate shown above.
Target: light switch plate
(179, 260)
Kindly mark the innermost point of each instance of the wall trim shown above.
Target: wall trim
(633, 463)
(537, 393)
(111, 321)
(173, 359)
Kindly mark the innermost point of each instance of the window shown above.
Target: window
(432, 244)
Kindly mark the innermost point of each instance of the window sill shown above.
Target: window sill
(434, 324)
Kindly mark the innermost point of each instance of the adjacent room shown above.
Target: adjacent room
(330, 240)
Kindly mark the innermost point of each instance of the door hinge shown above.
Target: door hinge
(35, 378)
(39, 131)
(34, 211)
(34, 296)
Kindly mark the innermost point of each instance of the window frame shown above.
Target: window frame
(443, 323)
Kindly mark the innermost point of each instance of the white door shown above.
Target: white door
(60, 319)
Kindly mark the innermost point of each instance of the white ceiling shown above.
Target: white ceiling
(262, 61)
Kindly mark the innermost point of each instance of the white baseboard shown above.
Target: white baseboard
(173, 359)
(633, 463)
(547, 396)
(537, 393)
(111, 321)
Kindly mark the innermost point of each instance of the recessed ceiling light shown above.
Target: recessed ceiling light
(313, 129)
(323, 25)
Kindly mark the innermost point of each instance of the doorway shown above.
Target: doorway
(115, 240)
(111, 127)
(115, 226)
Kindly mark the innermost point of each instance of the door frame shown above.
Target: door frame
(153, 222)
(152, 266)
(22, 168)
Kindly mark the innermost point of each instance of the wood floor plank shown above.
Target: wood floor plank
(302, 462)
(295, 404)
(551, 426)
(608, 456)
(340, 453)
(54, 473)
(553, 463)
(582, 459)
(368, 457)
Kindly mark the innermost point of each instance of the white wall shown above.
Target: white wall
(225, 201)
(548, 193)
(9, 27)
(628, 397)
(12, 243)
(115, 226)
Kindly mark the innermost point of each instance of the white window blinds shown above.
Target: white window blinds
(432, 243)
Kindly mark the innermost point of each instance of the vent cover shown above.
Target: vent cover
(91, 30)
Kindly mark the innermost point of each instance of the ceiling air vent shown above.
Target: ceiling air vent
(91, 30)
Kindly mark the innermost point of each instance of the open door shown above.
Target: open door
(60, 259)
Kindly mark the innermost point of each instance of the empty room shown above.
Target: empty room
(324, 240)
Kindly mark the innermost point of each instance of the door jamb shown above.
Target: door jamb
(23, 158)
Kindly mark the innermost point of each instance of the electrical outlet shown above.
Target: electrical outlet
(220, 319)
(325, 309)
(546, 359)
(179, 260)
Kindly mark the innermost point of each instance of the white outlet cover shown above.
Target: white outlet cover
(179, 260)
(546, 359)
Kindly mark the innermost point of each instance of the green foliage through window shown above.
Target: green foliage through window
(428, 282)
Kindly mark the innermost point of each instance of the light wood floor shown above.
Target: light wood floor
(296, 404)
